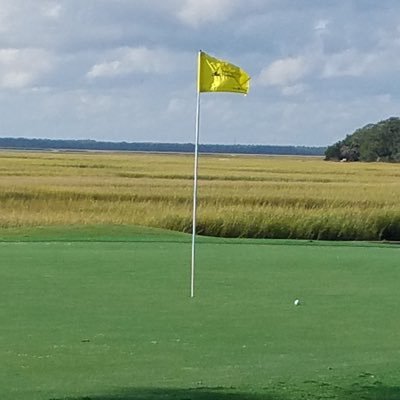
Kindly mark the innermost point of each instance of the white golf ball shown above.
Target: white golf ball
(297, 302)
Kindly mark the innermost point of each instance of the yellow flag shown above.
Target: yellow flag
(220, 76)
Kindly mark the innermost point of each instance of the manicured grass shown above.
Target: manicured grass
(90, 316)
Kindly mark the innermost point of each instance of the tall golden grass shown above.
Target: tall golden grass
(239, 196)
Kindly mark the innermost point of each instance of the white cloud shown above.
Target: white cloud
(196, 12)
(177, 106)
(349, 63)
(125, 61)
(5, 15)
(51, 10)
(294, 89)
(284, 72)
(89, 104)
(110, 68)
(20, 68)
(321, 25)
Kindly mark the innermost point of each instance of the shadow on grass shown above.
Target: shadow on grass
(355, 392)
(372, 392)
(178, 394)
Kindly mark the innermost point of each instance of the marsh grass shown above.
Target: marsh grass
(239, 196)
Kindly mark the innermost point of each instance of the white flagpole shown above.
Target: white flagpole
(196, 166)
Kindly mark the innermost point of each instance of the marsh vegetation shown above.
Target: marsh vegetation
(239, 196)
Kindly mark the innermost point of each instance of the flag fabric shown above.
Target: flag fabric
(216, 75)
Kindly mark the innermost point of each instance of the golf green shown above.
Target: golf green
(90, 316)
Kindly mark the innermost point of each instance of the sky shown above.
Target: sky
(125, 70)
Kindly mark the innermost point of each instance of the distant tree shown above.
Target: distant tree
(334, 152)
(373, 142)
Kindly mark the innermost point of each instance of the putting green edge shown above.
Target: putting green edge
(133, 233)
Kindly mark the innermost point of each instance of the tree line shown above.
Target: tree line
(58, 144)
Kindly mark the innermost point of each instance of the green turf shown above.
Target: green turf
(110, 318)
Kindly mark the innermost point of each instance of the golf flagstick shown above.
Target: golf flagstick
(196, 167)
(213, 75)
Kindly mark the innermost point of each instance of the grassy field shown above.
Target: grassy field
(105, 315)
(239, 196)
